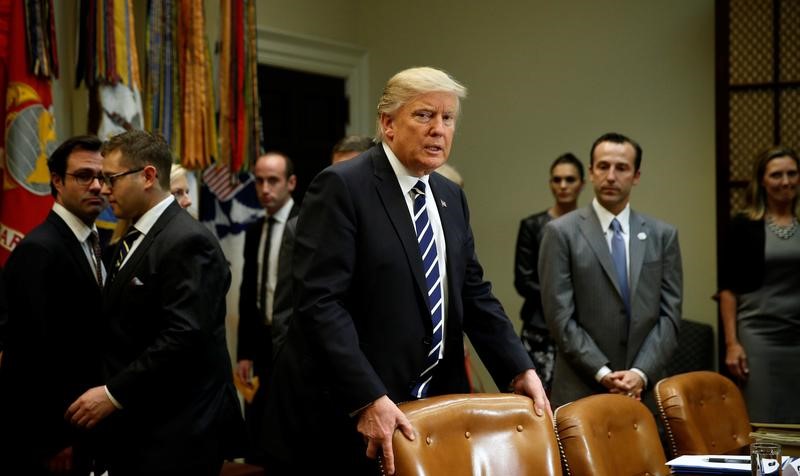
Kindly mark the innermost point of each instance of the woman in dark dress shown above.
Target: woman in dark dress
(566, 183)
(760, 291)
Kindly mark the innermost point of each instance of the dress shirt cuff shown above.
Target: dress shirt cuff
(359, 410)
(113, 400)
(604, 370)
(641, 374)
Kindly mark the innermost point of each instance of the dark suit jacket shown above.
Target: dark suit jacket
(250, 342)
(166, 359)
(584, 308)
(526, 269)
(283, 307)
(52, 354)
(742, 267)
(362, 328)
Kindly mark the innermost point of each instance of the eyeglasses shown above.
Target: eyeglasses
(84, 178)
(110, 179)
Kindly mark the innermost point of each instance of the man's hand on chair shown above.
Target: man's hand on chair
(377, 423)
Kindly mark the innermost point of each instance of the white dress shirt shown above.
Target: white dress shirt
(82, 232)
(624, 219)
(407, 182)
(275, 239)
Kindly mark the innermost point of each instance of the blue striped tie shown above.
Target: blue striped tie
(433, 279)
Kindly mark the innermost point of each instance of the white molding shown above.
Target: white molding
(314, 55)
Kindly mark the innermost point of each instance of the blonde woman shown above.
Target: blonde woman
(759, 298)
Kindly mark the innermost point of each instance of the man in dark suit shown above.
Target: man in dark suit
(169, 399)
(275, 181)
(380, 319)
(345, 149)
(611, 284)
(53, 283)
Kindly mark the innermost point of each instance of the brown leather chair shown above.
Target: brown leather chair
(241, 469)
(476, 434)
(609, 435)
(703, 413)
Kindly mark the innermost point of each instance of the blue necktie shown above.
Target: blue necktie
(430, 264)
(620, 263)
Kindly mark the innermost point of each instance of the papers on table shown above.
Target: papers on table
(727, 464)
(710, 464)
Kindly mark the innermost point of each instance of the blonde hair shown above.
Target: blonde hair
(176, 172)
(410, 83)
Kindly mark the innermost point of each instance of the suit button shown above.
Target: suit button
(426, 342)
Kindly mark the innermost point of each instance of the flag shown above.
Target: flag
(239, 117)
(108, 63)
(180, 93)
(27, 63)
(228, 200)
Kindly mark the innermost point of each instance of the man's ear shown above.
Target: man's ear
(150, 176)
(387, 124)
(291, 183)
(58, 183)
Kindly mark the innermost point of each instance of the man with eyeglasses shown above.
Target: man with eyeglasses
(168, 404)
(54, 280)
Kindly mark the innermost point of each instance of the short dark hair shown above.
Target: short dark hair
(617, 138)
(352, 144)
(569, 159)
(141, 148)
(286, 158)
(57, 162)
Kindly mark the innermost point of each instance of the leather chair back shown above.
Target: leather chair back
(476, 434)
(609, 435)
(703, 413)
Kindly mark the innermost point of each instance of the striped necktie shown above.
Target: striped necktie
(433, 280)
(125, 247)
(94, 245)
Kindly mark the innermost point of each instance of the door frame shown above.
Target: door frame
(315, 55)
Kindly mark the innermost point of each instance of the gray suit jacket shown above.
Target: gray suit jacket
(584, 309)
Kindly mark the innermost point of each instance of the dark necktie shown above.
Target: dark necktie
(94, 244)
(125, 247)
(430, 265)
(620, 263)
(262, 296)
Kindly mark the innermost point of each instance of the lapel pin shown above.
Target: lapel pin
(642, 235)
(444, 204)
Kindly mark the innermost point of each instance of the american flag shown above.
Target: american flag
(223, 183)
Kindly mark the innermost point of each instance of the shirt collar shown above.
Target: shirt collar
(283, 212)
(74, 223)
(606, 216)
(404, 177)
(146, 221)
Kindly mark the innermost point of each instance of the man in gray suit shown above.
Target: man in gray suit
(611, 284)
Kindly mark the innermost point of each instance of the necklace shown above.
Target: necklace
(783, 232)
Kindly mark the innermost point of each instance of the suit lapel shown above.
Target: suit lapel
(593, 232)
(395, 205)
(73, 245)
(126, 273)
(448, 227)
(636, 246)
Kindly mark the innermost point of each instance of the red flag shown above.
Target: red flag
(29, 133)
